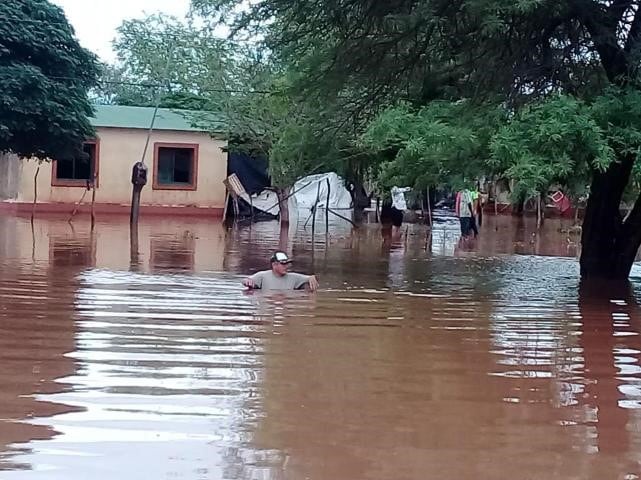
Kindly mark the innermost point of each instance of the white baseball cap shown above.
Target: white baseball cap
(280, 257)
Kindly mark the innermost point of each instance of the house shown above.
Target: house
(186, 167)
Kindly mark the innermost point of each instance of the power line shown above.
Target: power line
(208, 90)
(160, 85)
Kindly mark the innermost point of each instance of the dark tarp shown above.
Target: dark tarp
(251, 171)
(253, 174)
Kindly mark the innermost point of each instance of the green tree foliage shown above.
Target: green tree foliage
(554, 142)
(188, 63)
(442, 144)
(515, 53)
(45, 76)
(254, 87)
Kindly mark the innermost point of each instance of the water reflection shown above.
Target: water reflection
(611, 346)
(416, 360)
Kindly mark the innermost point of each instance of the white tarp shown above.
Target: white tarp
(307, 192)
(266, 201)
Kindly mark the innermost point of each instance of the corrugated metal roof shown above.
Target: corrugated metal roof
(117, 116)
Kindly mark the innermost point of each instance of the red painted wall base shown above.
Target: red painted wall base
(110, 208)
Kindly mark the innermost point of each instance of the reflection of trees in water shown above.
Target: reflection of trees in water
(368, 386)
(578, 358)
(611, 347)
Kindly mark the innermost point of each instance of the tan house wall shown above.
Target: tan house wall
(119, 149)
(10, 168)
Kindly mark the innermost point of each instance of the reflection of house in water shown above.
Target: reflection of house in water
(76, 252)
(200, 245)
(172, 252)
(37, 330)
(173, 349)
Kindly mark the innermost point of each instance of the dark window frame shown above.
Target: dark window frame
(193, 184)
(69, 182)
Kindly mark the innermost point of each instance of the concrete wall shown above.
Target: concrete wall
(10, 173)
(119, 149)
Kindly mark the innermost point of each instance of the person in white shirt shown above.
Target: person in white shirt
(399, 205)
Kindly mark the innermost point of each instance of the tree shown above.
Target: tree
(442, 144)
(554, 142)
(187, 64)
(520, 51)
(45, 76)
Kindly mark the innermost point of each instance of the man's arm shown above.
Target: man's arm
(306, 280)
(313, 283)
(254, 281)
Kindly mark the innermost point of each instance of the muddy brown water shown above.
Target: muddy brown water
(417, 359)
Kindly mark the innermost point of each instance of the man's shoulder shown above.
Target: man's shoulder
(262, 273)
(296, 275)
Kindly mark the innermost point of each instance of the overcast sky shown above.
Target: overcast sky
(95, 21)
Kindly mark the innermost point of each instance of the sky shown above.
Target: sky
(96, 22)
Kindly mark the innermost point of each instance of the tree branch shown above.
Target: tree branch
(635, 32)
(603, 35)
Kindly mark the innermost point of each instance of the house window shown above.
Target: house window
(76, 171)
(175, 166)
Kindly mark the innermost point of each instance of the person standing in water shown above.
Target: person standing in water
(279, 277)
(399, 205)
(465, 212)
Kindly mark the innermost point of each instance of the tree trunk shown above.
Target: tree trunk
(283, 205)
(429, 206)
(539, 211)
(360, 200)
(519, 208)
(35, 193)
(609, 245)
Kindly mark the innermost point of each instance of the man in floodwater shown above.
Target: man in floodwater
(279, 278)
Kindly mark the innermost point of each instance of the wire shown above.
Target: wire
(160, 85)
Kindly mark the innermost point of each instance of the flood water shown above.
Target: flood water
(416, 360)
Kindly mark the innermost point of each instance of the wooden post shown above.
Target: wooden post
(225, 207)
(378, 209)
(138, 181)
(135, 205)
(134, 257)
(327, 207)
(314, 209)
(77, 205)
(236, 208)
(496, 201)
(429, 207)
(283, 207)
(539, 216)
(93, 204)
(35, 193)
